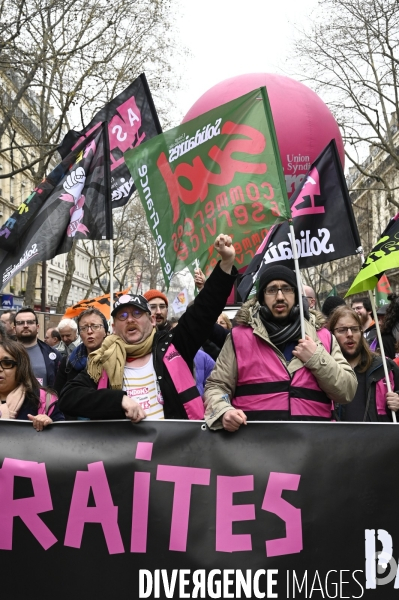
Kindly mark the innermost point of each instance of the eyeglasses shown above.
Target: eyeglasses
(274, 290)
(156, 306)
(27, 321)
(136, 313)
(8, 363)
(94, 327)
(344, 330)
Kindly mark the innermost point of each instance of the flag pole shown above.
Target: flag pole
(108, 212)
(298, 278)
(379, 337)
(111, 277)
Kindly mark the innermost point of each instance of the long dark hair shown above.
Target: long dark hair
(366, 356)
(392, 314)
(24, 372)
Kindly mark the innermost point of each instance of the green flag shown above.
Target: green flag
(219, 173)
(384, 255)
(333, 292)
(382, 291)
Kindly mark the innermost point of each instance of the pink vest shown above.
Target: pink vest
(266, 388)
(183, 382)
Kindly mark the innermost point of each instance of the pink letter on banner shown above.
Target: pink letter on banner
(104, 512)
(25, 508)
(141, 496)
(274, 503)
(144, 450)
(227, 512)
(183, 478)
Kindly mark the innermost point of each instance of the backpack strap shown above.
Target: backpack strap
(47, 401)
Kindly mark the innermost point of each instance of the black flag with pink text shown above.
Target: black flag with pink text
(324, 224)
(132, 120)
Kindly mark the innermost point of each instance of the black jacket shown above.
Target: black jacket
(374, 374)
(80, 396)
(370, 334)
(52, 360)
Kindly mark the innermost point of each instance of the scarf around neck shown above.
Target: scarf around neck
(11, 407)
(281, 334)
(111, 357)
(78, 359)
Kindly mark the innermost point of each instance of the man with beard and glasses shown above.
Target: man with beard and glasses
(144, 372)
(372, 402)
(267, 371)
(158, 303)
(44, 359)
(364, 310)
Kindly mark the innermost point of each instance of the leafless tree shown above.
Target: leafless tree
(62, 61)
(67, 59)
(136, 260)
(350, 55)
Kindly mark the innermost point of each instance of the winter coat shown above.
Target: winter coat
(376, 405)
(80, 396)
(333, 374)
(70, 367)
(48, 405)
(203, 368)
(52, 360)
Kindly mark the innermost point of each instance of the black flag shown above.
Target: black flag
(71, 203)
(132, 119)
(324, 224)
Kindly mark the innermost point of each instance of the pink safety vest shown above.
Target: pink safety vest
(183, 381)
(264, 384)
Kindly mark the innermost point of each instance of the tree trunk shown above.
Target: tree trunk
(62, 300)
(31, 285)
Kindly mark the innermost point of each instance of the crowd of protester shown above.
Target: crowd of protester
(266, 364)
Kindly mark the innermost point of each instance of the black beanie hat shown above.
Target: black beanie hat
(279, 273)
(330, 303)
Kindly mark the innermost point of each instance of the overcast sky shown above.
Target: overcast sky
(227, 38)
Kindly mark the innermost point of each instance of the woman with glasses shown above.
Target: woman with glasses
(21, 396)
(93, 328)
(372, 401)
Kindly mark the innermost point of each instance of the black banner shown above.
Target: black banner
(324, 224)
(276, 510)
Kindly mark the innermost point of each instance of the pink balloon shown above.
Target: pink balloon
(304, 125)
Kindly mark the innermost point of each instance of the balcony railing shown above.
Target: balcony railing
(21, 116)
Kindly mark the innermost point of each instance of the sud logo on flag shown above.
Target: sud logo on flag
(180, 303)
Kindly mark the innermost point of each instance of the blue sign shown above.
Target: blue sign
(7, 301)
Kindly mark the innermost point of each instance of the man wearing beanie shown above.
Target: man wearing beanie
(267, 371)
(141, 371)
(330, 304)
(159, 308)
